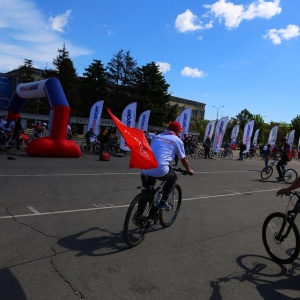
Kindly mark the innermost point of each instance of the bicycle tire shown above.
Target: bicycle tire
(96, 148)
(84, 147)
(167, 217)
(201, 153)
(290, 176)
(266, 173)
(193, 152)
(30, 140)
(230, 155)
(223, 154)
(286, 250)
(23, 145)
(135, 233)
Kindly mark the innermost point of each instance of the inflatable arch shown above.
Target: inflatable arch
(55, 145)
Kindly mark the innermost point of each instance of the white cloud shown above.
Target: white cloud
(194, 73)
(234, 14)
(59, 22)
(164, 67)
(277, 35)
(28, 35)
(190, 22)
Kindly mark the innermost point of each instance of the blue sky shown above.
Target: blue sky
(240, 54)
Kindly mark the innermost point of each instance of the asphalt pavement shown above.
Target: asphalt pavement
(61, 223)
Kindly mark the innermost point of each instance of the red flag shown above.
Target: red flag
(142, 156)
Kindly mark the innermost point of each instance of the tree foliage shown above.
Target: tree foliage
(94, 86)
(150, 91)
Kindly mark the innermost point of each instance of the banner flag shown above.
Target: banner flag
(184, 119)
(273, 136)
(209, 131)
(219, 134)
(298, 147)
(234, 135)
(142, 156)
(255, 137)
(95, 117)
(128, 118)
(290, 141)
(248, 130)
(144, 120)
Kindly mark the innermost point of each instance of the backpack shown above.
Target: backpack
(104, 156)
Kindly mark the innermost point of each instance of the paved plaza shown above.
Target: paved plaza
(61, 223)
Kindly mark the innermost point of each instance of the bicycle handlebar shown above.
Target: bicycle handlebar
(183, 172)
(295, 193)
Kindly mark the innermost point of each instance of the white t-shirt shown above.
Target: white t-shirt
(164, 147)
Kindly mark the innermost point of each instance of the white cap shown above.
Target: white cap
(45, 124)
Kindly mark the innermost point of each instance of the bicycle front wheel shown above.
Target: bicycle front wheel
(266, 172)
(135, 226)
(167, 217)
(96, 148)
(281, 238)
(290, 176)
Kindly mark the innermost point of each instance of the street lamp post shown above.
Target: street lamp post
(218, 110)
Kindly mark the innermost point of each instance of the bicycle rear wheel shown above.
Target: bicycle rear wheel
(136, 227)
(290, 176)
(167, 217)
(230, 155)
(84, 147)
(281, 238)
(266, 172)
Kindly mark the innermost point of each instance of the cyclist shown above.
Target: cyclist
(165, 146)
(284, 158)
(89, 134)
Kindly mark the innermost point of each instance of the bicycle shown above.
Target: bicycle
(94, 146)
(280, 233)
(227, 153)
(137, 226)
(289, 175)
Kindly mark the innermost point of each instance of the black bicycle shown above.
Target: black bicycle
(136, 226)
(289, 175)
(280, 233)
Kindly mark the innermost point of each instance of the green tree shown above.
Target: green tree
(121, 74)
(94, 87)
(295, 124)
(151, 92)
(243, 118)
(26, 71)
(66, 73)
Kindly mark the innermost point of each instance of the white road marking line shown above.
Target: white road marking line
(231, 191)
(31, 208)
(105, 174)
(123, 206)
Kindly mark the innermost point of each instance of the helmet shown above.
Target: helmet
(44, 124)
(175, 126)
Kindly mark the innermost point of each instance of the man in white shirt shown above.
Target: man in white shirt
(165, 146)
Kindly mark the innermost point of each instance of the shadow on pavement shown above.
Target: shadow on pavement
(272, 281)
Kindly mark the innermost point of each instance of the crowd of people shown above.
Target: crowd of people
(11, 130)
